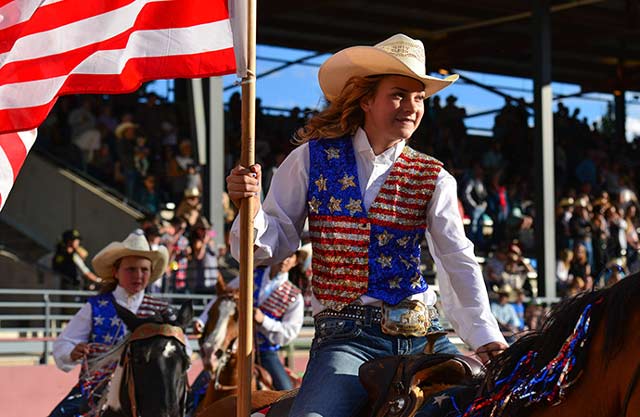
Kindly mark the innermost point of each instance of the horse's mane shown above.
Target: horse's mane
(615, 304)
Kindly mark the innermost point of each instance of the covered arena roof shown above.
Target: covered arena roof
(595, 43)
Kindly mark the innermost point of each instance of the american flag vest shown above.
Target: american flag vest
(276, 304)
(358, 252)
(108, 330)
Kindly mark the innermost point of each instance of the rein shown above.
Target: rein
(222, 362)
(147, 331)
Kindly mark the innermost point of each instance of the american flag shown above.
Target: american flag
(56, 47)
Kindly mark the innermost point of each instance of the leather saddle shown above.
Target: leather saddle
(398, 385)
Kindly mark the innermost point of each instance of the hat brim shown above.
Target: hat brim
(104, 260)
(365, 61)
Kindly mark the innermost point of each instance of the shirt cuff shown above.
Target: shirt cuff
(484, 336)
(259, 225)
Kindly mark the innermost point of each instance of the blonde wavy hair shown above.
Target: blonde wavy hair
(344, 114)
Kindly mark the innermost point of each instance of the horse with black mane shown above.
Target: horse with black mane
(151, 376)
(583, 362)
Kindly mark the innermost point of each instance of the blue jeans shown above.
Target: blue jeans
(270, 360)
(330, 387)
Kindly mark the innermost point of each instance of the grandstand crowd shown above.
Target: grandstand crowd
(139, 145)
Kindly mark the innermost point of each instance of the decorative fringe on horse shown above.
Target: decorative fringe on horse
(548, 384)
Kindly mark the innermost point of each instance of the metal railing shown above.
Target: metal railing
(22, 328)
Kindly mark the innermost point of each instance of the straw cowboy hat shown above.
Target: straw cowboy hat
(398, 55)
(122, 127)
(134, 245)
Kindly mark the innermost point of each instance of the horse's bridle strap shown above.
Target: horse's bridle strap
(148, 330)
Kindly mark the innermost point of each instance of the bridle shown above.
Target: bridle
(223, 359)
(147, 331)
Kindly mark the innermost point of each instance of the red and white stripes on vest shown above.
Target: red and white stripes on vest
(374, 252)
(280, 300)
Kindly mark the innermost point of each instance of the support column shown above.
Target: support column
(543, 137)
(621, 115)
(216, 157)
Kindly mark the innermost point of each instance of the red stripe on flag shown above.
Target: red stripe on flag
(136, 72)
(15, 151)
(150, 18)
(174, 27)
(55, 15)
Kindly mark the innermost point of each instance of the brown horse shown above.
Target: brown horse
(594, 336)
(218, 348)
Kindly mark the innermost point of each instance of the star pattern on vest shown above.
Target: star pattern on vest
(406, 263)
(314, 205)
(332, 153)
(403, 241)
(384, 261)
(107, 338)
(115, 321)
(394, 283)
(416, 240)
(347, 181)
(439, 399)
(103, 303)
(354, 206)
(415, 260)
(98, 320)
(383, 238)
(321, 183)
(334, 204)
(416, 281)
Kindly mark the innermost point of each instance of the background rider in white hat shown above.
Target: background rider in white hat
(370, 201)
(126, 269)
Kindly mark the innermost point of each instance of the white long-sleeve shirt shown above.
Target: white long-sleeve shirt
(279, 223)
(278, 332)
(79, 328)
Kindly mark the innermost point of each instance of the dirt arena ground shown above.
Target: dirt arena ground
(28, 390)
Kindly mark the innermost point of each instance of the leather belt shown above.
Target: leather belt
(366, 314)
(375, 315)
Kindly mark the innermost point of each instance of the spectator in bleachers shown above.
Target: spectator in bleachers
(498, 206)
(68, 262)
(126, 173)
(580, 268)
(516, 270)
(474, 199)
(505, 314)
(177, 167)
(563, 231)
(494, 268)
(179, 252)
(204, 258)
(581, 228)
(190, 200)
(150, 197)
(141, 157)
(82, 118)
(563, 277)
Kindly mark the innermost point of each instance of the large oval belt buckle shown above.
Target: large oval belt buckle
(407, 318)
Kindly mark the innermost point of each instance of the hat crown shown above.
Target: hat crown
(136, 241)
(410, 51)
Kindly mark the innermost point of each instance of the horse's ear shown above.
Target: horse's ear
(130, 319)
(185, 315)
